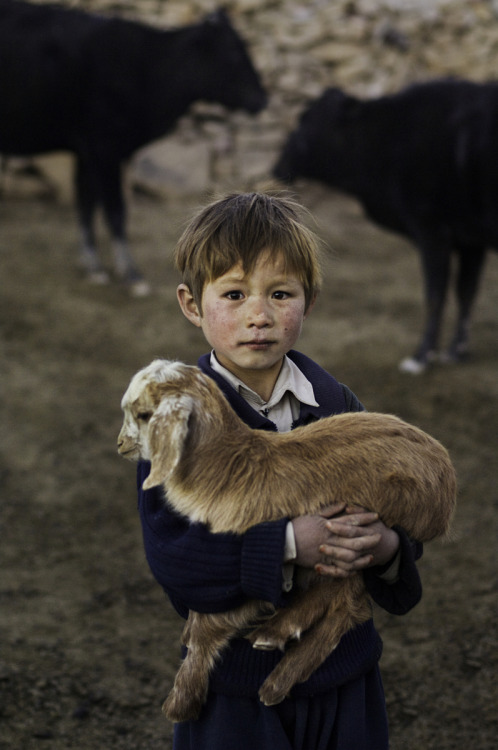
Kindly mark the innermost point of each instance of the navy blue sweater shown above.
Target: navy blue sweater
(214, 572)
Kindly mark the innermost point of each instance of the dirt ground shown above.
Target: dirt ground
(88, 642)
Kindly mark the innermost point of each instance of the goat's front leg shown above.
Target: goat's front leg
(206, 636)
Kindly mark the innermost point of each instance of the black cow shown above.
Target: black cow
(102, 88)
(424, 163)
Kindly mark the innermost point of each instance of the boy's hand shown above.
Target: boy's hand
(310, 532)
(339, 545)
(358, 540)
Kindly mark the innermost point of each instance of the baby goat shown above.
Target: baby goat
(216, 470)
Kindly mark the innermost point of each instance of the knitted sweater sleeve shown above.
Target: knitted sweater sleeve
(203, 571)
(399, 597)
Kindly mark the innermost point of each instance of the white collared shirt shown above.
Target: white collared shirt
(290, 391)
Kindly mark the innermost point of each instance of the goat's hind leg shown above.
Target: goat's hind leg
(349, 607)
(300, 660)
(206, 635)
(189, 691)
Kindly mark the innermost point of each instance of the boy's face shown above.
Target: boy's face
(250, 320)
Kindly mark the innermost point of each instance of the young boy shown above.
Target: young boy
(250, 276)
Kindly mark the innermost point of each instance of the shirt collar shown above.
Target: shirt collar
(290, 379)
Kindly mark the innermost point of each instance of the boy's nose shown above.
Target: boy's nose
(259, 313)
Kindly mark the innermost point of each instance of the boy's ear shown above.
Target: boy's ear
(310, 306)
(188, 305)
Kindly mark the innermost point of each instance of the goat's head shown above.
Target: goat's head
(158, 405)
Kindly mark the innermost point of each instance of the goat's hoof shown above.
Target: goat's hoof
(262, 644)
(270, 695)
(265, 640)
(176, 710)
(268, 638)
(273, 643)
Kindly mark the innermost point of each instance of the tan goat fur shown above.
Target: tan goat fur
(216, 470)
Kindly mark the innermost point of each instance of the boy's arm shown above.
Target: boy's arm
(400, 595)
(358, 541)
(203, 571)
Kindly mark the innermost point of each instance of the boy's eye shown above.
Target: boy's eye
(280, 294)
(233, 295)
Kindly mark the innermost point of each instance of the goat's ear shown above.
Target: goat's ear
(167, 432)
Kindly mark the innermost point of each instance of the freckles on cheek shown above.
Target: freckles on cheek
(292, 323)
(220, 318)
(218, 321)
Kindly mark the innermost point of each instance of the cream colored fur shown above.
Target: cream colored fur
(216, 470)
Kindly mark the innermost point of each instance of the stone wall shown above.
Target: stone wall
(368, 47)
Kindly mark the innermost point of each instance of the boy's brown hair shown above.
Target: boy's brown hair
(236, 229)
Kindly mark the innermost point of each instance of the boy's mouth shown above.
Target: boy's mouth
(258, 343)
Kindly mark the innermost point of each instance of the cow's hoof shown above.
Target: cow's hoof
(140, 288)
(99, 278)
(412, 366)
(452, 357)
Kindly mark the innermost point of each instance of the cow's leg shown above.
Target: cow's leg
(471, 263)
(87, 199)
(115, 213)
(436, 264)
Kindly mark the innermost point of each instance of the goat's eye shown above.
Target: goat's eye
(144, 416)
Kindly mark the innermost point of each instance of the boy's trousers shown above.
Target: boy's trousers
(351, 717)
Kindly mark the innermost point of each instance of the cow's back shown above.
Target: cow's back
(422, 161)
(40, 75)
(442, 158)
(67, 79)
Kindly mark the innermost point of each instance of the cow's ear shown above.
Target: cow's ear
(339, 104)
(217, 17)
